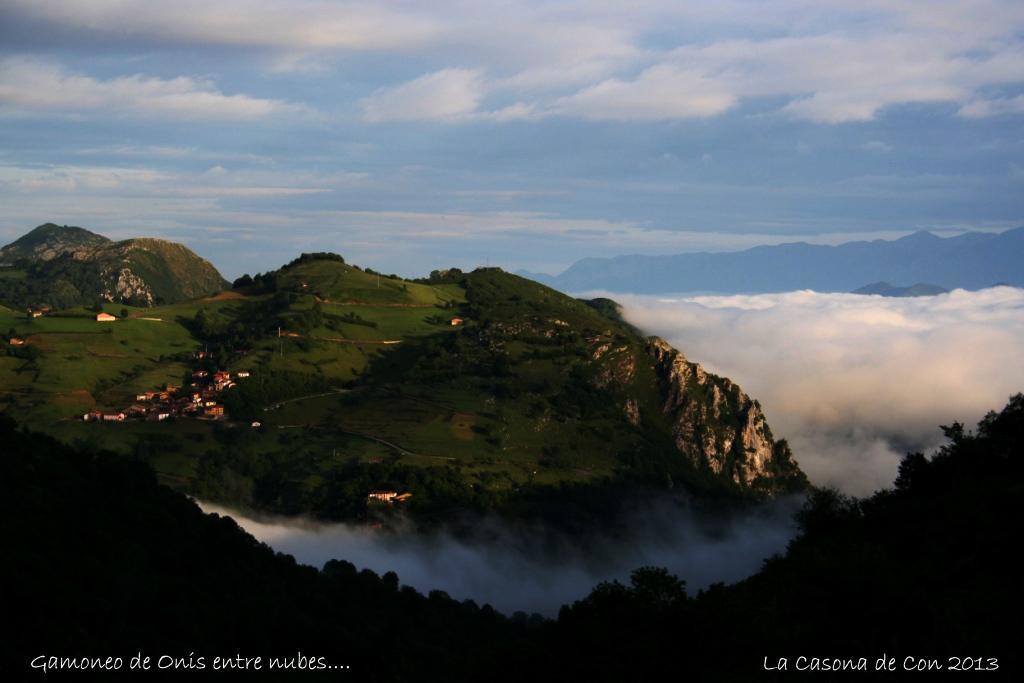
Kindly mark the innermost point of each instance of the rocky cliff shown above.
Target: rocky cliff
(716, 425)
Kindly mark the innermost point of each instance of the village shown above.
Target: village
(197, 399)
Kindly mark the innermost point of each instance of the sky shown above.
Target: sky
(415, 135)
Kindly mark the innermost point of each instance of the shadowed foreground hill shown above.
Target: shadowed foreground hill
(925, 569)
(99, 559)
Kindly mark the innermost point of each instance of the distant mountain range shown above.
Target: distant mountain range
(886, 289)
(973, 260)
(61, 266)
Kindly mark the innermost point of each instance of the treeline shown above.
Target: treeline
(107, 562)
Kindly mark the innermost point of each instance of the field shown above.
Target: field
(356, 381)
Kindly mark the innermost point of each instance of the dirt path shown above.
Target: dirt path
(377, 439)
(367, 303)
(338, 340)
(333, 392)
(341, 340)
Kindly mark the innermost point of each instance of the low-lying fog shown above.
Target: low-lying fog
(853, 381)
(534, 570)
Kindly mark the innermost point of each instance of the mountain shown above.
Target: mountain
(971, 261)
(886, 289)
(50, 241)
(62, 266)
(478, 391)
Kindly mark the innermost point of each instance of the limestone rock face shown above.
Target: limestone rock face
(124, 285)
(718, 426)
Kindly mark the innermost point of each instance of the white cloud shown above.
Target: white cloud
(852, 381)
(662, 91)
(981, 108)
(28, 85)
(78, 182)
(440, 96)
(828, 63)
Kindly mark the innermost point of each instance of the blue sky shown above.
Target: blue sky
(414, 135)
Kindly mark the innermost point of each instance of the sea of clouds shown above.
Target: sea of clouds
(532, 569)
(852, 381)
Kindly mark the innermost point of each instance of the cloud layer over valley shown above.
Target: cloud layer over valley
(533, 569)
(853, 381)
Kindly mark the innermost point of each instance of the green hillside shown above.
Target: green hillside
(361, 381)
(62, 267)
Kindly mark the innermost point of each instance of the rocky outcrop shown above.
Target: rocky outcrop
(717, 426)
(124, 285)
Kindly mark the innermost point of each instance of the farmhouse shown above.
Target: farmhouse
(35, 312)
(105, 318)
(388, 497)
(457, 321)
(17, 341)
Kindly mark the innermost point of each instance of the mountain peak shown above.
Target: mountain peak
(49, 240)
(71, 266)
(920, 236)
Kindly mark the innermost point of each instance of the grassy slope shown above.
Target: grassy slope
(507, 399)
(83, 364)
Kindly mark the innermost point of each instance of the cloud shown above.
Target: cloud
(29, 85)
(449, 95)
(853, 381)
(836, 63)
(534, 569)
(311, 24)
(440, 96)
(662, 91)
(981, 109)
(102, 182)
